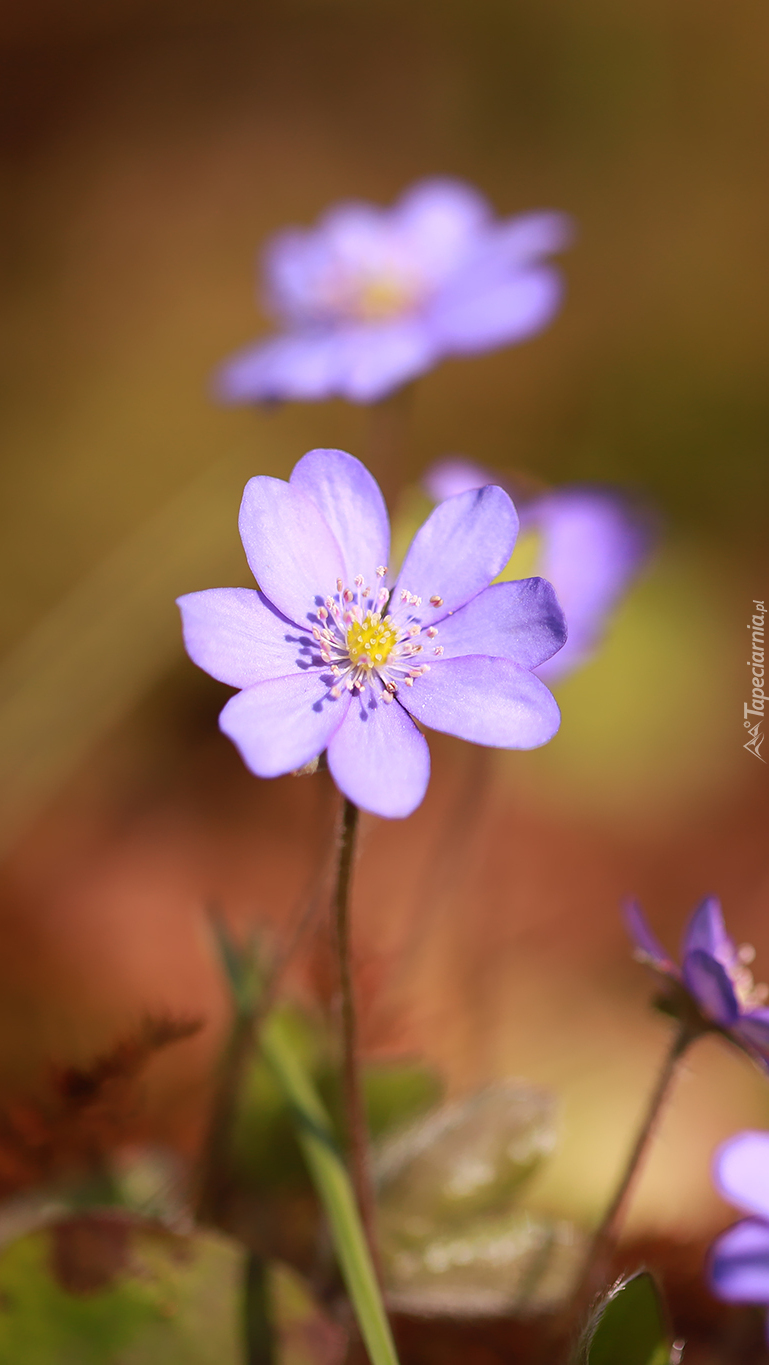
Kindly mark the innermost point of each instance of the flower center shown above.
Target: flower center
(362, 648)
(370, 641)
(383, 296)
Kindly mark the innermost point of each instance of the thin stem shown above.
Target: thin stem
(605, 1234)
(355, 1115)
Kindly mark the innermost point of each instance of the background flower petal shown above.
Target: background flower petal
(741, 1171)
(358, 361)
(439, 222)
(239, 638)
(282, 724)
(465, 542)
(351, 503)
(446, 478)
(594, 541)
(706, 932)
(292, 553)
(739, 1263)
(488, 701)
(487, 308)
(378, 757)
(646, 942)
(300, 365)
(708, 982)
(372, 359)
(521, 620)
(528, 236)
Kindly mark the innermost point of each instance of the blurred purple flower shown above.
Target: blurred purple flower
(739, 1258)
(593, 543)
(372, 297)
(714, 975)
(330, 657)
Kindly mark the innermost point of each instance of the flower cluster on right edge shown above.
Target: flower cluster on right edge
(739, 1259)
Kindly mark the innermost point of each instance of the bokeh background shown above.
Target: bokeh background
(148, 147)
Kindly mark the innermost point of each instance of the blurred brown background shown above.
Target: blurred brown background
(147, 150)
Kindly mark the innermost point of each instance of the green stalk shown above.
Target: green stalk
(329, 1174)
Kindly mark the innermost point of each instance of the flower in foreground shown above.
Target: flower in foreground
(713, 978)
(371, 298)
(333, 654)
(594, 541)
(739, 1259)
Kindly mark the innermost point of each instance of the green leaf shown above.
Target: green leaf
(240, 966)
(629, 1327)
(328, 1171)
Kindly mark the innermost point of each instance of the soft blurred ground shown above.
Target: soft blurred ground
(147, 150)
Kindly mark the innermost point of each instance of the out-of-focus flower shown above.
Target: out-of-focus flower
(739, 1259)
(371, 298)
(714, 977)
(593, 543)
(330, 655)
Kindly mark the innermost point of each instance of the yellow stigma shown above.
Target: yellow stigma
(383, 296)
(369, 641)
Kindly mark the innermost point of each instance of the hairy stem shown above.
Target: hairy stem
(355, 1115)
(605, 1235)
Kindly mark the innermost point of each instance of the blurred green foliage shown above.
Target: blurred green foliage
(265, 1149)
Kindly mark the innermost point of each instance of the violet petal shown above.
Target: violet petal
(521, 620)
(237, 636)
(445, 478)
(487, 701)
(646, 942)
(293, 555)
(739, 1263)
(479, 312)
(741, 1171)
(283, 724)
(350, 502)
(593, 542)
(439, 221)
(465, 542)
(711, 987)
(378, 757)
(706, 931)
(753, 1028)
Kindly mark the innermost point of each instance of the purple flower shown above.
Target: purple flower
(713, 976)
(330, 655)
(593, 543)
(372, 297)
(739, 1259)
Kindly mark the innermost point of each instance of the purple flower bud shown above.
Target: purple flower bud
(714, 974)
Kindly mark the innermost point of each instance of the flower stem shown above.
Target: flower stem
(605, 1235)
(355, 1116)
